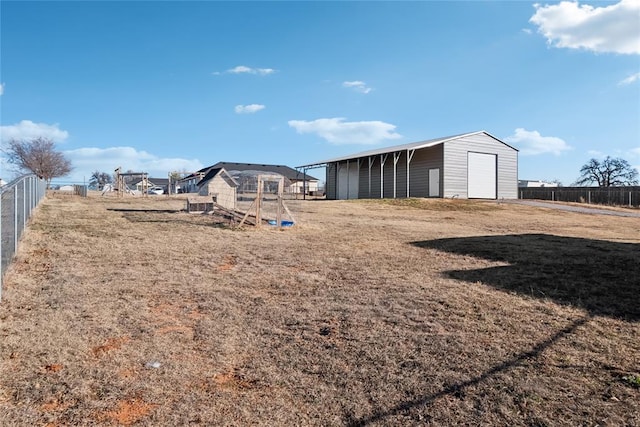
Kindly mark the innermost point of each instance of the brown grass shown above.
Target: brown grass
(415, 312)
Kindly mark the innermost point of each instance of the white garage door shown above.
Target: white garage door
(482, 176)
(348, 180)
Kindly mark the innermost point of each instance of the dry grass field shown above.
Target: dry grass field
(419, 312)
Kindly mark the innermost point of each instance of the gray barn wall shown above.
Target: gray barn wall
(423, 160)
(363, 181)
(388, 177)
(330, 186)
(363, 189)
(450, 157)
(400, 175)
(375, 178)
(401, 178)
(455, 165)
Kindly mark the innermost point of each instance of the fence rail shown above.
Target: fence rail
(613, 196)
(17, 201)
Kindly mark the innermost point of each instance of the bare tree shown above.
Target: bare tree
(100, 179)
(608, 173)
(38, 155)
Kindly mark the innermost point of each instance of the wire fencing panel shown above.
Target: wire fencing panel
(613, 196)
(17, 201)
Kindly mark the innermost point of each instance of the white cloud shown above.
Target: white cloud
(87, 160)
(527, 30)
(27, 129)
(632, 78)
(1, 88)
(596, 154)
(249, 109)
(531, 143)
(242, 69)
(612, 28)
(358, 86)
(337, 131)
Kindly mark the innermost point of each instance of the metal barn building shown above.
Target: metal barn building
(474, 165)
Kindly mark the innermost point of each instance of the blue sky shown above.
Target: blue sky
(175, 86)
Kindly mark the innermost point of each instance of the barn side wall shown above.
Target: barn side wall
(363, 180)
(450, 158)
(455, 165)
(423, 160)
(330, 185)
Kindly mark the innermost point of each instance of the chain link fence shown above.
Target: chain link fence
(17, 201)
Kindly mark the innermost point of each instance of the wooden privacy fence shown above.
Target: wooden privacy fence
(614, 196)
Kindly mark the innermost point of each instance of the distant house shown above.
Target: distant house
(218, 184)
(189, 184)
(527, 183)
(297, 180)
(151, 183)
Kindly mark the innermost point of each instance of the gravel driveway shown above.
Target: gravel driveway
(571, 208)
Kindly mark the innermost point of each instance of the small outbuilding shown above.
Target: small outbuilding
(473, 165)
(218, 184)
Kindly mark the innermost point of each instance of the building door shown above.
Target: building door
(343, 181)
(434, 182)
(348, 175)
(482, 176)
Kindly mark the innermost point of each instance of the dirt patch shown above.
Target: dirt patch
(55, 367)
(129, 412)
(232, 380)
(110, 345)
(55, 406)
(229, 263)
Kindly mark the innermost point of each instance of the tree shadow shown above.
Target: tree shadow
(599, 276)
(458, 389)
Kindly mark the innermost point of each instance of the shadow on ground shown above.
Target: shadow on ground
(599, 276)
(163, 216)
(458, 389)
(146, 210)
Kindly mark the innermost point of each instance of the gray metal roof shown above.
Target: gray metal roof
(289, 173)
(396, 148)
(215, 171)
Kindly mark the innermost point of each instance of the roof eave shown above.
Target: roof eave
(411, 146)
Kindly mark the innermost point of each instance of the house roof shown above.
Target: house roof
(402, 147)
(289, 173)
(159, 181)
(215, 171)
